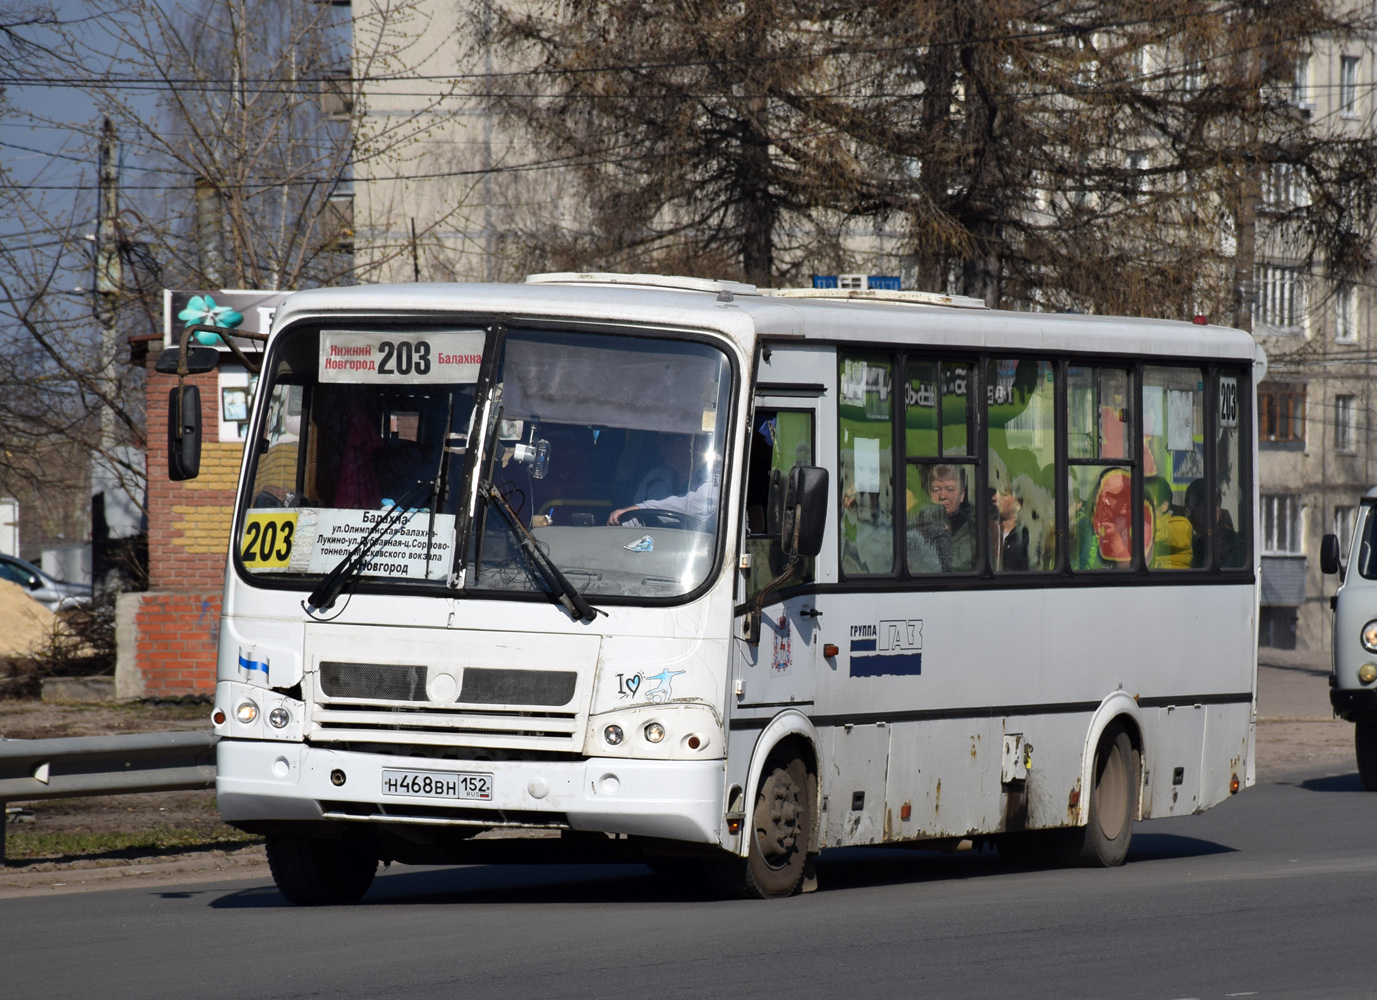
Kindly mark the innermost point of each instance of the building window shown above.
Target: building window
(1348, 87)
(1345, 315)
(1281, 412)
(1345, 423)
(1279, 296)
(1280, 187)
(1344, 518)
(1281, 524)
(1300, 86)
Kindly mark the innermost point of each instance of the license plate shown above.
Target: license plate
(438, 784)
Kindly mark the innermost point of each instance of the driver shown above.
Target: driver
(675, 486)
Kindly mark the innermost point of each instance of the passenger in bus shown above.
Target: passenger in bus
(1010, 537)
(1171, 529)
(1110, 518)
(929, 538)
(1231, 545)
(947, 489)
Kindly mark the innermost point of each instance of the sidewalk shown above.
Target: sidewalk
(1292, 685)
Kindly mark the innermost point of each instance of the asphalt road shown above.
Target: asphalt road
(1267, 895)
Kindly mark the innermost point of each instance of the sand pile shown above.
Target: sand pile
(24, 623)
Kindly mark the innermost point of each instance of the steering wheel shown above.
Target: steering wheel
(653, 517)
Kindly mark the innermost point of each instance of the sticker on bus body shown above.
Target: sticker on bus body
(889, 647)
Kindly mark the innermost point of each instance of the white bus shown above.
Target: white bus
(695, 574)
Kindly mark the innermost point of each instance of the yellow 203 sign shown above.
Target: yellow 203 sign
(267, 542)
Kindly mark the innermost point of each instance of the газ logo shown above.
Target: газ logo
(889, 647)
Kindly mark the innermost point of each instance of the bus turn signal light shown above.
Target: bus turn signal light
(829, 649)
(1233, 785)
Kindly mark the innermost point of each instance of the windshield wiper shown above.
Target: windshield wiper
(560, 587)
(323, 597)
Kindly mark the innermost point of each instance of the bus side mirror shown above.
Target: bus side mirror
(184, 433)
(804, 517)
(1329, 555)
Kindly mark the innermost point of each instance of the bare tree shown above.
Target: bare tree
(1104, 157)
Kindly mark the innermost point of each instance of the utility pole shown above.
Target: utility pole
(109, 274)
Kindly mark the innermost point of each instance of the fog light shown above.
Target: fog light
(337, 777)
(613, 735)
(1370, 637)
(654, 732)
(279, 717)
(1367, 673)
(218, 717)
(246, 712)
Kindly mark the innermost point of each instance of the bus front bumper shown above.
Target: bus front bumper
(675, 800)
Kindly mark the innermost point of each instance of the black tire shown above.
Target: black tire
(780, 825)
(1365, 746)
(315, 872)
(1103, 841)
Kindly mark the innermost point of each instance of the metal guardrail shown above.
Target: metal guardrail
(71, 767)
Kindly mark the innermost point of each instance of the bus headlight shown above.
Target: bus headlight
(654, 732)
(613, 735)
(279, 717)
(1370, 636)
(246, 711)
(1367, 673)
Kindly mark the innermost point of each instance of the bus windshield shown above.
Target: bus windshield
(606, 448)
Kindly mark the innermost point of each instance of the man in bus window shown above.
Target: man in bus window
(947, 488)
(677, 486)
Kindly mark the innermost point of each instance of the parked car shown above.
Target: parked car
(53, 594)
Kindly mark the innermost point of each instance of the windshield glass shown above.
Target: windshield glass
(609, 450)
(358, 423)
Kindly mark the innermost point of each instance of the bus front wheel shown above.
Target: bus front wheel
(1103, 841)
(1365, 743)
(312, 871)
(779, 830)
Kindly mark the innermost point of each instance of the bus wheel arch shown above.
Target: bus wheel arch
(780, 832)
(1117, 709)
(1112, 784)
(791, 732)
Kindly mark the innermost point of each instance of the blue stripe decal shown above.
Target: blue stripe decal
(862, 645)
(910, 664)
(252, 665)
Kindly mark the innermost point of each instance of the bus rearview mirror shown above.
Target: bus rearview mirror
(184, 433)
(199, 360)
(804, 517)
(1329, 554)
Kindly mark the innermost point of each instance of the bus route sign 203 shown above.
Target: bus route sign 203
(422, 356)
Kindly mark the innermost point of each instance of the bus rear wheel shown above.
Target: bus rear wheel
(1103, 841)
(1365, 744)
(312, 871)
(780, 825)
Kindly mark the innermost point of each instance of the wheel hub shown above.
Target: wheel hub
(777, 817)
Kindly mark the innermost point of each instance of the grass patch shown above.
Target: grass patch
(24, 846)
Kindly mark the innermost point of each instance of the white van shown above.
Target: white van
(1353, 678)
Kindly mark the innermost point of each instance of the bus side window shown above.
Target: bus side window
(1021, 512)
(865, 426)
(1099, 452)
(780, 440)
(1173, 459)
(939, 467)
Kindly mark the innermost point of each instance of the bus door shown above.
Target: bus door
(781, 669)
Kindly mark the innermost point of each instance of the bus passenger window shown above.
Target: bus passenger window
(1021, 513)
(781, 440)
(1173, 459)
(866, 465)
(940, 524)
(1100, 487)
(1231, 483)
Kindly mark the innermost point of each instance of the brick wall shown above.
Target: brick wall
(169, 634)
